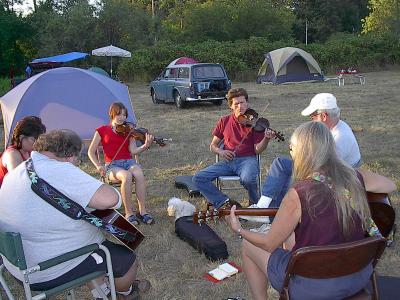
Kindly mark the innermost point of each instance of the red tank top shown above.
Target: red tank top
(111, 143)
(3, 169)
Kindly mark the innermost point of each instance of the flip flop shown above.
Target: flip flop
(146, 218)
(133, 220)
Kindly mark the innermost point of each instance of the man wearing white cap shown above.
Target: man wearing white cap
(323, 108)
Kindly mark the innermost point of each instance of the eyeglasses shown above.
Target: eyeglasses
(315, 114)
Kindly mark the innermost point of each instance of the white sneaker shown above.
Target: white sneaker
(258, 219)
(264, 202)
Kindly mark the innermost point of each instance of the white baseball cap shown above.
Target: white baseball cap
(320, 101)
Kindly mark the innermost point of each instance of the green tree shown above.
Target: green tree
(327, 17)
(14, 42)
(224, 20)
(261, 18)
(121, 23)
(384, 17)
(60, 28)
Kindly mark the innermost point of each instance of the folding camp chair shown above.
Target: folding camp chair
(114, 183)
(323, 262)
(221, 180)
(11, 248)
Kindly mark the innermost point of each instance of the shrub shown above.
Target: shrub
(5, 85)
(244, 57)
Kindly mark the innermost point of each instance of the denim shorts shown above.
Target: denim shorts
(314, 289)
(120, 163)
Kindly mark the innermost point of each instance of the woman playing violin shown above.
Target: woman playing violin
(119, 149)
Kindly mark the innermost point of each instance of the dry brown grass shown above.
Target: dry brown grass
(173, 267)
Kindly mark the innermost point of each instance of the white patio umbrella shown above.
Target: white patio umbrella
(111, 51)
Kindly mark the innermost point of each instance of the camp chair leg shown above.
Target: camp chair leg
(340, 81)
(71, 295)
(110, 273)
(99, 290)
(27, 289)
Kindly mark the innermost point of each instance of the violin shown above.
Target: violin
(250, 118)
(138, 134)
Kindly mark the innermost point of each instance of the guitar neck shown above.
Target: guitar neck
(270, 212)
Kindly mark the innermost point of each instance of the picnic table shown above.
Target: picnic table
(347, 73)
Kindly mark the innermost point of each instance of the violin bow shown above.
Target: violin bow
(266, 106)
(247, 134)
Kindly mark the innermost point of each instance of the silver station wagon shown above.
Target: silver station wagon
(191, 83)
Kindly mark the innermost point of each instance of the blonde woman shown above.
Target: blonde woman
(326, 205)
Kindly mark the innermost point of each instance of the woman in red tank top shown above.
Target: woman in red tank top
(323, 185)
(119, 151)
(25, 133)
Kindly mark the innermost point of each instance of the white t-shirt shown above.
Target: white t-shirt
(346, 143)
(45, 231)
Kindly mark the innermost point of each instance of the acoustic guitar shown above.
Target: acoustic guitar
(382, 213)
(128, 235)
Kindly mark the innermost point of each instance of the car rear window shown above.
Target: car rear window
(208, 72)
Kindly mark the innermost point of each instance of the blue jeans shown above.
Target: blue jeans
(245, 167)
(277, 182)
(278, 179)
(120, 163)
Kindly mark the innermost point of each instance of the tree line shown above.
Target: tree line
(53, 27)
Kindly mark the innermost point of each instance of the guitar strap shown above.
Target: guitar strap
(69, 207)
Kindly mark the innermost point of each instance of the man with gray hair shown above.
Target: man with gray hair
(322, 108)
(50, 232)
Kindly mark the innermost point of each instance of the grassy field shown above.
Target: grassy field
(173, 267)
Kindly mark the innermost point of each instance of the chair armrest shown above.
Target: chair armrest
(67, 256)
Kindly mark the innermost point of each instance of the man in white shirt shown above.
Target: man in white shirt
(323, 108)
(47, 232)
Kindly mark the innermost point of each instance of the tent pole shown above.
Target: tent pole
(111, 67)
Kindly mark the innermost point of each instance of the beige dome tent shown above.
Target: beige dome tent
(289, 65)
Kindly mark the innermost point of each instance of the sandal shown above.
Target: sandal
(141, 286)
(146, 218)
(133, 220)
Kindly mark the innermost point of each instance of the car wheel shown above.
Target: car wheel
(154, 97)
(217, 102)
(179, 102)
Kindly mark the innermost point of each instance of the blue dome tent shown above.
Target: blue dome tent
(65, 98)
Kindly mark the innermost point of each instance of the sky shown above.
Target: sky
(25, 8)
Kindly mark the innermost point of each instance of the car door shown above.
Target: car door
(159, 84)
(170, 82)
(182, 82)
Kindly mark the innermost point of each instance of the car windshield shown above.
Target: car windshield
(208, 72)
